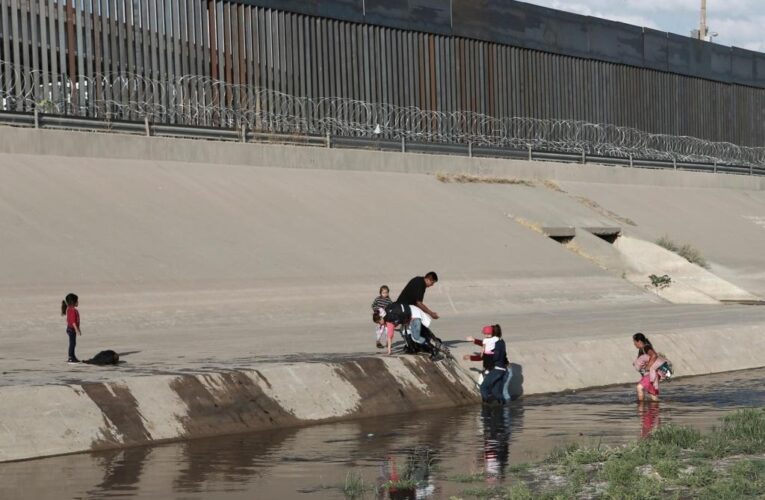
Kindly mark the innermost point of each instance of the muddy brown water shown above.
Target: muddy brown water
(314, 462)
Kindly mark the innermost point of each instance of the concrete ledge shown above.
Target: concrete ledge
(52, 420)
(16, 140)
(563, 364)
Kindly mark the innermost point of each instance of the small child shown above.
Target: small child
(382, 301)
(487, 348)
(69, 309)
(496, 367)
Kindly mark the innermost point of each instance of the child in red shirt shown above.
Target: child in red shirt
(69, 309)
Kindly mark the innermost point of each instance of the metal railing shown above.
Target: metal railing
(243, 134)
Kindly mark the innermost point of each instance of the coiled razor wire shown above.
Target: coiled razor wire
(204, 101)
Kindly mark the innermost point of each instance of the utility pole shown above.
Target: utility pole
(703, 32)
(703, 28)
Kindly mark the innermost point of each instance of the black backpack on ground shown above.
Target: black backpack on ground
(398, 313)
(107, 357)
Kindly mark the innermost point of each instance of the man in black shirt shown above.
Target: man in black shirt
(414, 292)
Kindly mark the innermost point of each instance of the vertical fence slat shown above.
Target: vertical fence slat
(88, 88)
(5, 65)
(98, 48)
(233, 52)
(191, 59)
(17, 67)
(130, 68)
(221, 48)
(26, 63)
(42, 7)
(195, 15)
(177, 67)
(34, 46)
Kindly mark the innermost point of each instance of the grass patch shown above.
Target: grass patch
(674, 462)
(552, 186)
(686, 251)
(534, 226)
(468, 478)
(742, 432)
(354, 486)
(604, 211)
(574, 247)
(481, 179)
(746, 480)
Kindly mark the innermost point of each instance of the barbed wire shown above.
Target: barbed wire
(204, 101)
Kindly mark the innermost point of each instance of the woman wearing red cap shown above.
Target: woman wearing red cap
(496, 376)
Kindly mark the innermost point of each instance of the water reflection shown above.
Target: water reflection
(122, 470)
(430, 448)
(650, 417)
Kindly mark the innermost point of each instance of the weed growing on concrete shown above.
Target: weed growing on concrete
(527, 224)
(468, 478)
(552, 186)
(660, 282)
(575, 248)
(354, 486)
(481, 179)
(604, 211)
(686, 251)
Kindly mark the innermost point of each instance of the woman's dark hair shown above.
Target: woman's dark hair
(69, 301)
(639, 337)
(496, 330)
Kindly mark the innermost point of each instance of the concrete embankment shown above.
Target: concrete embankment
(236, 280)
(57, 419)
(48, 420)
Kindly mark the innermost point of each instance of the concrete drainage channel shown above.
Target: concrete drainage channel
(650, 266)
(60, 419)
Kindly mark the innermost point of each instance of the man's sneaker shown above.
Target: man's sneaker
(72, 360)
(380, 346)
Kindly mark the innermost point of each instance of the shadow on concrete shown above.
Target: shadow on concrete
(516, 383)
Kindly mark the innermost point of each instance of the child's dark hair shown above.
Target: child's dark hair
(384, 287)
(639, 337)
(376, 317)
(69, 301)
(496, 330)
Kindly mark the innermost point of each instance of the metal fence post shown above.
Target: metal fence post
(715, 168)
(146, 126)
(530, 156)
(329, 140)
(37, 119)
(631, 160)
(584, 157)
(244, 132)
(470, 149)
(403, 145)
(674, 163)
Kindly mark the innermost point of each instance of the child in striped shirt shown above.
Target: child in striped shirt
(381, 302)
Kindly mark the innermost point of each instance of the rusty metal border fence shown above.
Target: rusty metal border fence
(215, 63)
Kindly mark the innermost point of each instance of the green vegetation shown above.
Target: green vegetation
(660, 282)
(481, 179)
(468, 478)
(354, 486)
(674, 462)
(685, 251)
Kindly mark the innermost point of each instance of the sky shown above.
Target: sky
(738, 22)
